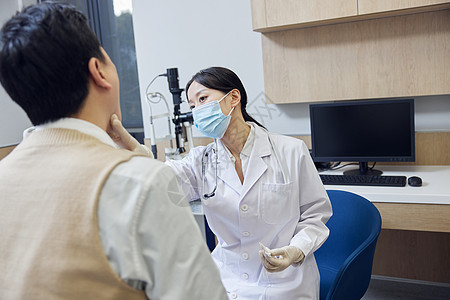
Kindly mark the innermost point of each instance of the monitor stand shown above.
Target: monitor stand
(363, 170)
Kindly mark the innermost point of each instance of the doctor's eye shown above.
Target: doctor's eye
(202, 99)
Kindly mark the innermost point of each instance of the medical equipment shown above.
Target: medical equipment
(153, 139)
(207, 152)
(183, 121)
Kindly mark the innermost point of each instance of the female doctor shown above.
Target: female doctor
(255, 187)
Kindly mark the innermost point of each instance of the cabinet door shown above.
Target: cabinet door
(388, 57)
(288, 12)
(376, 6)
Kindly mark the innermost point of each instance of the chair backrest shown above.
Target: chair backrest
(345, 259)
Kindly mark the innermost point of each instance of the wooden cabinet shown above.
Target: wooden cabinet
(378, 6)
(403, 56)
(276, 15)
(284, 13)
(363, 49)
(258, 14)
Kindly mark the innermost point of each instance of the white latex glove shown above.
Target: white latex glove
(278, 259)
(125, 140)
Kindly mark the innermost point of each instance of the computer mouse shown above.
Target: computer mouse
(414, 181)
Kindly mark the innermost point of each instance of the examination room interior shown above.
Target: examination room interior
(276, 53)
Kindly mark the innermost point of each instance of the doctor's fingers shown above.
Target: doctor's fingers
(125, 140)
(120, 135)
(279, 263)
(266, 264)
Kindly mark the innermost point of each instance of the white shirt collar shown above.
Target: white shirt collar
(75, 124)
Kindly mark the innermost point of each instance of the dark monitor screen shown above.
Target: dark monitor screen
(363, 131)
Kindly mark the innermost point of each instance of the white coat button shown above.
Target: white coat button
(233, 295)
(245, 233)
(244, 276)
(244, 207)
(245, 255)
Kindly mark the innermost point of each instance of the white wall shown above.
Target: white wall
(13, 119)
(192, 35)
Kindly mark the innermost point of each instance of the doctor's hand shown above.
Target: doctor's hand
(278, 259)
(125, 140)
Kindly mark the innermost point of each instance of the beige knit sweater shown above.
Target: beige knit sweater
(49, 242)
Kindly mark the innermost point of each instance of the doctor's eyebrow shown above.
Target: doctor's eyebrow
(199, 92)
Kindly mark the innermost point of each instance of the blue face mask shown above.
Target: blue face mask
(210, 120)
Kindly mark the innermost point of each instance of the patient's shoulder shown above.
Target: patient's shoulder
(142, 169)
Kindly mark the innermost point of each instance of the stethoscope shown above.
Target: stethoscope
(213, 147)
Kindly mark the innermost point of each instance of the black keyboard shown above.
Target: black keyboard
(363, 180)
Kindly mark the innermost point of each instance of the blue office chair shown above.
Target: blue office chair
(345, 259)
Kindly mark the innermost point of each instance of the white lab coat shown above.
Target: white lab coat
(262, 209)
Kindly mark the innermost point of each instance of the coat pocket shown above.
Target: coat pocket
(276, 202)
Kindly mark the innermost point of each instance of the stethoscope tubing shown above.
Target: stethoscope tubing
(205, 162)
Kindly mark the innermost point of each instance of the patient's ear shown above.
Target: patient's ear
(98, 75)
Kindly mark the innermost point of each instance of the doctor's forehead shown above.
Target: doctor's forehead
(195, 89)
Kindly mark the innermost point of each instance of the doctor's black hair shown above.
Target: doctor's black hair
(224, 80)
(44, 55)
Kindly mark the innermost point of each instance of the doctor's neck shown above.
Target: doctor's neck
(236, 134)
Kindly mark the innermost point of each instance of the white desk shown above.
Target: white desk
(425, 208)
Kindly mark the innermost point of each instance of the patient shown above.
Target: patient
(80, 218)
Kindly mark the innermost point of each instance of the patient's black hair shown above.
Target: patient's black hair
(45, 50)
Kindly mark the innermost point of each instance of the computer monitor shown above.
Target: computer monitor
(363, 131)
